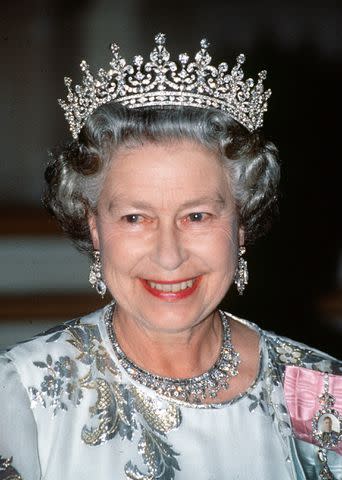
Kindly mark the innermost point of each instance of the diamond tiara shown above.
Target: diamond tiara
(161, 82)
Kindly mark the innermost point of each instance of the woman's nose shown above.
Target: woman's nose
(169, 250)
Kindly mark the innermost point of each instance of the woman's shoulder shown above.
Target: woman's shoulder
(64, 343)
(55, 368)
(284, 351)
(288, 352)
(57, 332)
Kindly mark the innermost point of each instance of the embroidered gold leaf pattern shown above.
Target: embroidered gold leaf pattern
(119, 408)
(159, 457)
(110, 412)
(87, 340)
(160, 419)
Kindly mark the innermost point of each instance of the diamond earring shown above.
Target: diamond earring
(241, 274)
(95, 276)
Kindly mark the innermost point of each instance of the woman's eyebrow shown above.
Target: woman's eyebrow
(119, 200)
(206, 199)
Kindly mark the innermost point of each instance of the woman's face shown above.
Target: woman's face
(168, 234)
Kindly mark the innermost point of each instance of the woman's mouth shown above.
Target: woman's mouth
(171, 290)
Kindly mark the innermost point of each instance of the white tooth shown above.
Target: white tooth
(173, 287)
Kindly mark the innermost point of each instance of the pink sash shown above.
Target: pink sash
(302, 388)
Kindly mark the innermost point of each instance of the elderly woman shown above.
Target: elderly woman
(166, 179)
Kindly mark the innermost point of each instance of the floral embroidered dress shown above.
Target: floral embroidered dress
(69, 411)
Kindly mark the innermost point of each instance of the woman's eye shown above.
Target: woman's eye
(197, 217)
(133, 218)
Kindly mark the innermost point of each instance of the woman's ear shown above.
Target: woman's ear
(94, 231)
(241, 236)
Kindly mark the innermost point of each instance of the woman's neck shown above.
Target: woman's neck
(173, 354)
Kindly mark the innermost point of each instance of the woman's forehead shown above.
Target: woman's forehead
(184, 168)
(183, 145)
(186, 157)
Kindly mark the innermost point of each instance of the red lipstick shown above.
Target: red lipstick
(171, 296)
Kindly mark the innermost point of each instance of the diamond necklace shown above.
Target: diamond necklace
(193, 389)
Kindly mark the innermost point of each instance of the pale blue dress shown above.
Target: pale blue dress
(69, 411)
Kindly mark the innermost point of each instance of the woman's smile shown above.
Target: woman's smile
(171, 291)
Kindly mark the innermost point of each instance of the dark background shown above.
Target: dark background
(295, 272)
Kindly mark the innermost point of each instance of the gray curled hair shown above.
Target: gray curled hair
(75, 173)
